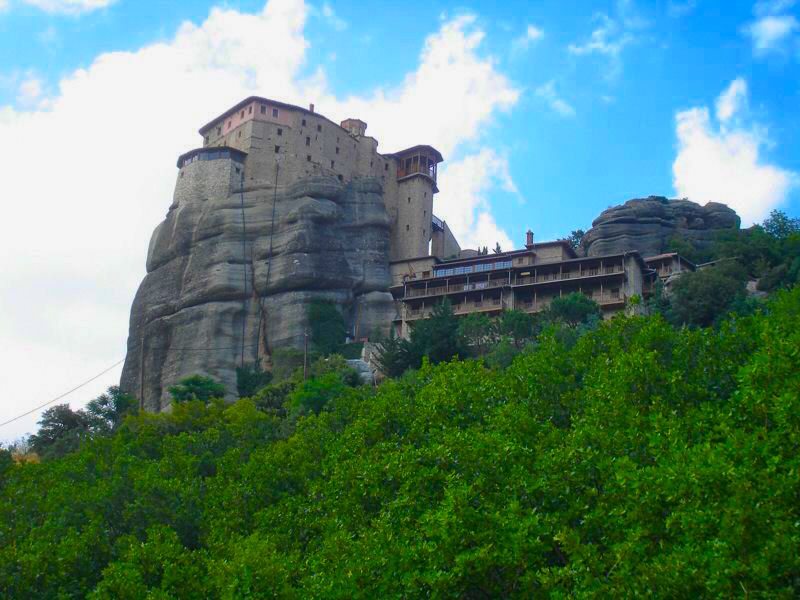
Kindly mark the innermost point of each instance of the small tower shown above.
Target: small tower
(416, 185)
(529, 239)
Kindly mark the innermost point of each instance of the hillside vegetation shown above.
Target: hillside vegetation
(633, 459)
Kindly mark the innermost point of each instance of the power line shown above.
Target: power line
(103, 372)
(57, 398)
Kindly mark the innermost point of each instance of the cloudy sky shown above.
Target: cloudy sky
(545, 119)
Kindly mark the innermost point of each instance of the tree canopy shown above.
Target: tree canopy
(636, 459)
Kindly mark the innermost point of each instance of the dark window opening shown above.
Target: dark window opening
(370, 164)
(385, 166)
(304, 122)
(319, 127)
(229, 124)
(280, 131)
(242, 115)
(277, 149)
(406, 227)
(409, 199)
(249, 110)
(341, 178)
(274, 112)
(238, 134)
(205, 140)
(337, 149)
(263, 109)
(308, 141)
(332, 163)
(308, 157)
(219, 130)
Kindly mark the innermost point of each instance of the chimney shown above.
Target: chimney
(529, 239)
(311, 107)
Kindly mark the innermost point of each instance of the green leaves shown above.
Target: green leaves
(633, 460)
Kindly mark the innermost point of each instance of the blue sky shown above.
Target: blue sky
(546, 117)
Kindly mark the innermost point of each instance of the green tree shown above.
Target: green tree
(702, 297)
(107, 411)
(518, 327)
(251, 378)
(328, 330)
(61, 431)
(575, 237)
(478, 332)
(780, 226)
(573, 309)
(197, 387)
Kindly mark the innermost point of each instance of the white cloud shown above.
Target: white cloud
(94, 172)
(772, 7)
(523, 42)
(3, 5)
(548, 93)
(612, 36)
(30, 91)
(462, 201)
(731, 101)
(337, 22)
(723, 164)
(608, 39)
(681, 9)
(69, 7)
(770, 32)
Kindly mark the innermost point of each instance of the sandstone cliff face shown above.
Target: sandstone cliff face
(207, 293)
(647, 224)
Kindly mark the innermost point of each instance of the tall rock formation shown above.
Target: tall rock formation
(226, 282)
(647, 224)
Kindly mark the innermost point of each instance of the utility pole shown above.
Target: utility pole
(305, 353)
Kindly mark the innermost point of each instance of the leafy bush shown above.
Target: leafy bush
(328, 329)
(636, 459)
(197, 387)
(250, 379)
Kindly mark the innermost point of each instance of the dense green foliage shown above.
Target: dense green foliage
(634, 459)
(197, 387)
(328, 330)
(251, 378)
(62, 429)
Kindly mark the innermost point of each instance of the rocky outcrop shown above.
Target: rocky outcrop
(647, 224)
(225, 284)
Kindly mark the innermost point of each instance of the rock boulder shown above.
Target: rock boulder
(647, 224)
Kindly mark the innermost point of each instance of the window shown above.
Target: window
(274, 112)
(426, 194)
(425, 213)
(332, 163)
(263, 109)
(341, 178)
(219, 130)
(385, 166)
(280, 131)
(304, 122)
(409, 199)
(337, 149)
(319, 127)
(406, 227)
(250, 110)
(308, 157)
(308, 141)
(205, 140)
(242, 115)
(370, 164)
(229, 124)
(277, 149)
(238, 134)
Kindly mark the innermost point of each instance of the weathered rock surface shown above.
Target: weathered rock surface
(647, 224)
(207, 293)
